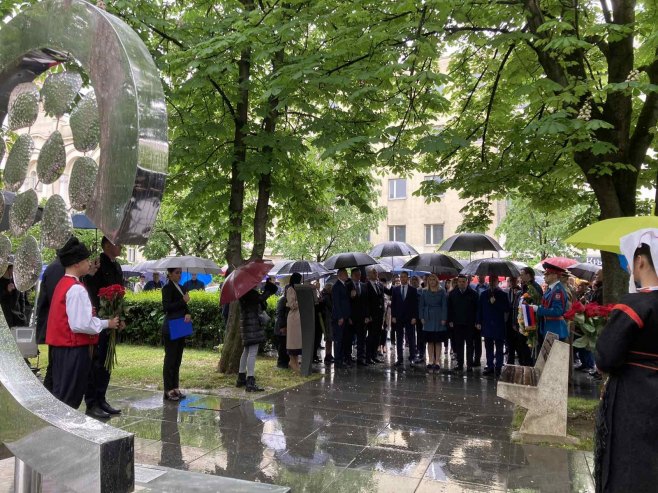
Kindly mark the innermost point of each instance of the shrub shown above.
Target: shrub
(145, 318)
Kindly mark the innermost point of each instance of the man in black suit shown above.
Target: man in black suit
(404, 313)
(109, 272)
(358, 317)
(340, 315)
(462, 311)
(374, 315)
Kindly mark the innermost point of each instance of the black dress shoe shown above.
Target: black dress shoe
(98, 413)
(105, 406)
(399, 364)
(377, 360)
(488, 371)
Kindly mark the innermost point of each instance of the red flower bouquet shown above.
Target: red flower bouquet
(588, 320)
(112, 305)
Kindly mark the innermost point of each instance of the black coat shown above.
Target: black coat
(462, 308)
(281, 315)
(626, 451)
(375, 302)
(108, 273)
(13, 304)
(51, 276)
(358, 309)
(250, 327)
(173, 304)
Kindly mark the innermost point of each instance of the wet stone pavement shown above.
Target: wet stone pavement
(368, 429)
(362, 430)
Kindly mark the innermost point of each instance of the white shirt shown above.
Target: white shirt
(79, 312)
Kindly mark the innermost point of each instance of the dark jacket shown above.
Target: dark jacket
(403, 310)
(281, 315)
(492, 315)
(462, 307)
(341, 302)
(173, 305)
(51, 276)
(627, 427)
(375, 302)
(358, 308)
(250, 327)
(192, 285)
(13, 304)
(108, 273)
(152, 286)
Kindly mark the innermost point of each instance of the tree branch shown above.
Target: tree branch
(494, 88)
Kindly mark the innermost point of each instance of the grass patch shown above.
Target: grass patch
(141, 367)
(580, 422)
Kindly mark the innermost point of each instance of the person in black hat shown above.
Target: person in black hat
(109, 272)
(72, 329)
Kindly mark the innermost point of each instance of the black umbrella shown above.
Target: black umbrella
(349, 259)
(432, 260)
(470, 242)
(301, 266)
(584, 271)
(392, 249)
(491, 267)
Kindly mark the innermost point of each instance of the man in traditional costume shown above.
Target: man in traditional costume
(626, 451)
(72, 329)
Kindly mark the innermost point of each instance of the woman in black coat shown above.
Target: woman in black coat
(174, 303)
(253, 334)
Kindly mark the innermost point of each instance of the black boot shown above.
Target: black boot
(242, 380)
(251, 385)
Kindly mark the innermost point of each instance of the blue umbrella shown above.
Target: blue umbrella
(81, 221)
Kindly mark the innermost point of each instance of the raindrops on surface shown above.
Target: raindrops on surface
(52, 159)
(59, 92)
(56, 225)
(27, 264)
(23, 106)
(18, 162)
(82, 181)
(23, 212)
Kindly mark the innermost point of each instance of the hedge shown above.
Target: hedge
(145, 317)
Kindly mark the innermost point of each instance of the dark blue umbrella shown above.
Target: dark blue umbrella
(81, 221)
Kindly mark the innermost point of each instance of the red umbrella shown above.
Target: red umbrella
(243, 279)
(561, 262)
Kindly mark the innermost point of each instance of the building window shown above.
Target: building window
(131, 255)
(436, 179)
(397, 188)
(397, 233)
(433, 234)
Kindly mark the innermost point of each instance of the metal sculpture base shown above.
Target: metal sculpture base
(26, 479)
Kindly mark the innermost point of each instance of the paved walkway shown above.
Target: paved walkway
(362, 430)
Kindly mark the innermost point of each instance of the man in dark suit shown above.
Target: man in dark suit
(108, 273)
(374, 315)
(358, 317)
(404, 313)
(340, 315)
(492, 307)
(462, 310)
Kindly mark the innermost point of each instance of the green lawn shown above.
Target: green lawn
(141, 367)
(580, 421)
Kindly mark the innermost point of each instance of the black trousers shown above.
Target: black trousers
(359, 327)
(348, 340)
(463, 335)
(373, 339)
(477, 347)
(99, 378)
(172, 360)
(495, 349)
(70, 373)
(48, 379)
(510, 343)
(403, 329)
(283, 358)
(420, 341)
(522, 349)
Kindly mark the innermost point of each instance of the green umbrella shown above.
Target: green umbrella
(605, 235)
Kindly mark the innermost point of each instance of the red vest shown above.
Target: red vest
(58, 331)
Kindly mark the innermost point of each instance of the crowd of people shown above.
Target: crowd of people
(355, 319)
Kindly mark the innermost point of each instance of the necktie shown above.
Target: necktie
(404, 292)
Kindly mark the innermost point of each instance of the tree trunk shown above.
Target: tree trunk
(229, 361)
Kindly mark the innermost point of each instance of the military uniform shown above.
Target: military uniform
(552, 309)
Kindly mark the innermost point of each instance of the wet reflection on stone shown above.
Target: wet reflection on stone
(363, 432)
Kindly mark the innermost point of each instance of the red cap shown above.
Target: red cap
(553, 269)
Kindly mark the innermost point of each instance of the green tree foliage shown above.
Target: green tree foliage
(532, 234)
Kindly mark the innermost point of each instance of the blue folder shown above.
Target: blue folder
(178, 328)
